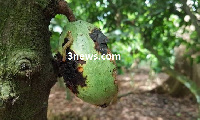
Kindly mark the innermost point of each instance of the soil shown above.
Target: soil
(135, 102)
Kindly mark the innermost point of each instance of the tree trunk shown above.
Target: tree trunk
(185, 66)
(182, 65)
(26, 70)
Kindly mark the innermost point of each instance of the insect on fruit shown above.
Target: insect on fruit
(85, 72)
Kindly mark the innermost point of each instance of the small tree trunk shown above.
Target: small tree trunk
(187, 68)
(26, 71)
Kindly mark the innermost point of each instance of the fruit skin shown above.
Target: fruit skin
(93, 81)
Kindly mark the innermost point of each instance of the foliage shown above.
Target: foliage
(147, 30)
(127, 23)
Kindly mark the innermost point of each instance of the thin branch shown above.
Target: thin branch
(63, 8)
(194, 19)
(125, 94)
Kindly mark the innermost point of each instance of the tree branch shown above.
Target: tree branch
(194, 19)
(59, 7)
(64, 9)
(125, 94)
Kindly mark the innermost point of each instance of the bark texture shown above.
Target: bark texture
(26, 70)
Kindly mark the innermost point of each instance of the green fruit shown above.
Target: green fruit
(92, 79)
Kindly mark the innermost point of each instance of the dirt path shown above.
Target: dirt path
(135, 106)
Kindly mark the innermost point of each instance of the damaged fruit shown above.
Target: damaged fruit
(84, 66)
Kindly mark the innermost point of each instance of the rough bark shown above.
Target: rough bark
(26, 70)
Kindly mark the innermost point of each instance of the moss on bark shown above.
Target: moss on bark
(26, 72)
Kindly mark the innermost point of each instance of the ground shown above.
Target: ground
(135, 102)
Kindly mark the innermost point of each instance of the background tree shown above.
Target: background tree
(164, 34)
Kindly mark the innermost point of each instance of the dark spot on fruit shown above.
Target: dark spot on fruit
(105, 90)
(103, 106)
(100, 40)
(70, 72)
(65, 41)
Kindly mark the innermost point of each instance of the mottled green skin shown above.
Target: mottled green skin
(100, 87)
(100, 83)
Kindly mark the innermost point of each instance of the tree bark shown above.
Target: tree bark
(26, 70)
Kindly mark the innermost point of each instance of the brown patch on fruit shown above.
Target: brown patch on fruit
(80, 69)
(114, 74)
(72, 73)
(111, 59)
(100, 40)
